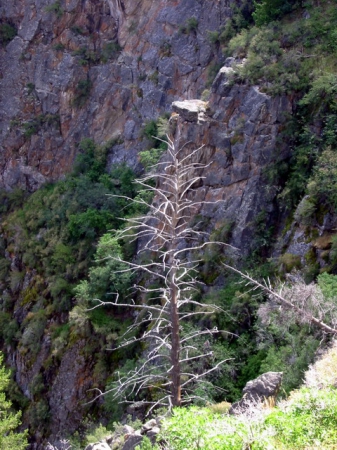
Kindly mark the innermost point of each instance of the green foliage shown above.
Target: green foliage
(309, 420)
(58, 47)
(55, 8)
(9, 328)
(152, 131)
(196, 428)
(282, 57)
(82, 92)
(33, 330)
(306, 420)
(322, 91)
(86, 57)
(323, 184)
(268, 10)
(306, 211)
(212, 72)
(147, 445)
(34, 125)
(91, 160)
(302, 161)
(328, 285)
(9, 421)
(110, 51)
(288, 262)
(97, 434)
(39, 415)
(76, 29)
(291, 359)
(149, 158)
(7, 33)
(55, 233)
(333, 253)
(190, 26)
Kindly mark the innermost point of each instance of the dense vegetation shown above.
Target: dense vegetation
(9, 421)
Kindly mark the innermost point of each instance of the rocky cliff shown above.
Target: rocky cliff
(103, 69)
(97, 69)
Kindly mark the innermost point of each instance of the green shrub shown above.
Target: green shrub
(82, 92)
(10, 439)
(306, 211)
(306, 422)
(9, 329)
(190, 26)
(323, 184)
(110, 51)
(58, 47)
(7, 33)
(55, 8)
(39, 415)
(196, 428)
(268, 10)
(76, 29)
(87, 57)
(288, 262)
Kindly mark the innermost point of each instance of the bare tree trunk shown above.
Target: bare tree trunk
(175, 341)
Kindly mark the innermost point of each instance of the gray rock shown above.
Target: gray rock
(190, 110)
(132, 441)
(148, 426)
(98, 446)
(265, 387)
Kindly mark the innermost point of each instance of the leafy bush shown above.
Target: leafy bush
(196, 428)
(82, 92)
(268, 10)
(310, 418)
(306, 211)
(307, 419)
(10, 439)
(289, 262)
(87, 57)
(110, 51)
(323, 184)
(55, 8)
(191, 25)
(7, 33)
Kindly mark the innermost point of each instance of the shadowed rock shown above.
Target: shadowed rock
(263, 389)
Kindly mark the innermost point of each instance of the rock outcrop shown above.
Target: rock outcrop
(127, 438)
(238, 131)
(263, 389)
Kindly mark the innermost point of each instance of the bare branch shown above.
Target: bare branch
(300, 311)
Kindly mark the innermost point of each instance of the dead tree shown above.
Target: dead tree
(301, 303)
(173, 245)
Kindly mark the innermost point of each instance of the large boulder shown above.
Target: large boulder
(263, 389)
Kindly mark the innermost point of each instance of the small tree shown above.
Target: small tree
(9, 439)
(170, 244)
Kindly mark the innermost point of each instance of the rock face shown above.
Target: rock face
(237, 128)
(264, 388)
(98, 69)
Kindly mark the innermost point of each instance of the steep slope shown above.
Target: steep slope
(106, 70)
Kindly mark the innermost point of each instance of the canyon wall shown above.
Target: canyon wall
(102, 69)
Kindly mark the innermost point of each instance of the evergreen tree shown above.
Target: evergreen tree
(9, 421)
